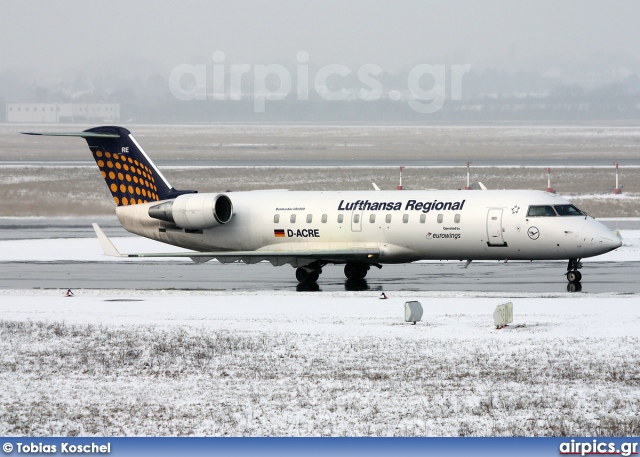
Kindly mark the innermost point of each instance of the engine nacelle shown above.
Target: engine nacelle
(195, 211)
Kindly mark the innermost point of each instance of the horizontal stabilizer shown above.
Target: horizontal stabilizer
(78, 134)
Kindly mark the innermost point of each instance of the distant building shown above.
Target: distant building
(62, 112)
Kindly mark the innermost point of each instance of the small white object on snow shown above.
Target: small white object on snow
(412, 311)
(503, 315)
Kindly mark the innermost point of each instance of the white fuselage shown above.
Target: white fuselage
(404, 225)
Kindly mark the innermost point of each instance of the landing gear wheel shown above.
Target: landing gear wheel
(573, 275)
(302, 275)
(305, 275)
(356, 270)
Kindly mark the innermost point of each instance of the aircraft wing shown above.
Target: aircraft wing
(294, 257)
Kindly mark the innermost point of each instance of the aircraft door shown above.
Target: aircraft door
(494, 227)
(356, 221)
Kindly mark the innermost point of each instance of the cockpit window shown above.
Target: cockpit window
(541, 211)
(568, 210)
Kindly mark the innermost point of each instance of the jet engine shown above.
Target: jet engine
(195, 211)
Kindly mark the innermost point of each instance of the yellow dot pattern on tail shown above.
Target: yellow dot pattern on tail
(136, 182)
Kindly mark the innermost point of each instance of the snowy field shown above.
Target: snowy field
(196, 363)
(156, 363)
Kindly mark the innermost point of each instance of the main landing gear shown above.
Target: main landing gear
(352, 270)
(574, 276)
(356, 270)
(309, 273)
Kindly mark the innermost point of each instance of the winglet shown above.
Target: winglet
(107, 246)
(375, 186)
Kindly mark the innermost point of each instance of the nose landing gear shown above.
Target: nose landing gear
(573, 275)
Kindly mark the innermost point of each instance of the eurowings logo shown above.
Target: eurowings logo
(452, 236)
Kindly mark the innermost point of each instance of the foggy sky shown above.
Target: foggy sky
(156, 36)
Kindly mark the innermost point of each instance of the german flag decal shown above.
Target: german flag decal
(278, 233)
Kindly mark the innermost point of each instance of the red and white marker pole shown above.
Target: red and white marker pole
(617, 190)
(468, 177)
(400, 186)
(549, 188)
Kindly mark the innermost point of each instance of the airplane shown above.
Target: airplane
(360, 229)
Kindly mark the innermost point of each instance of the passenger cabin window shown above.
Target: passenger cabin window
(440, 218)
(568, 210)
(372, 218)
(541, 211)
(276, 218)
(388, 218)
(340, 218)
(456, 218)
(356, 218)
(292, 219)
(423, 218)
(405, 218)
(324, 219)
(309, 218)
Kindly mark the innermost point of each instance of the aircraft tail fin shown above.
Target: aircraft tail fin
(129, 173)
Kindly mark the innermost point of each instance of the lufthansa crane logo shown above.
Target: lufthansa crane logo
(533, 233)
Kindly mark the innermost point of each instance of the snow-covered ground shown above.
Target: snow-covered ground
(132, 362)
(203, 363)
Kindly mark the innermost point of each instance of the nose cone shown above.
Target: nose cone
(598, 239)
(609, 240)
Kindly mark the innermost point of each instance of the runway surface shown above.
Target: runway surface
(598, 277)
